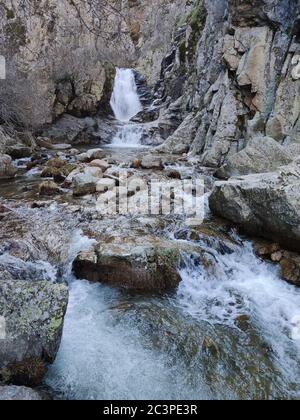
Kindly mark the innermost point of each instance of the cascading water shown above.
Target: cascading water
(185, 346)
(125, 101)
(126, 104)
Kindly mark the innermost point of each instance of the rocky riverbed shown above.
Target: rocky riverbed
(183, 311)
(149, 210)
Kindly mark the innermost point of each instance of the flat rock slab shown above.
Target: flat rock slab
(264, 205)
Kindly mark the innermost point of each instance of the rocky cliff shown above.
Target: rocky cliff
(235, 65)
(61, 55)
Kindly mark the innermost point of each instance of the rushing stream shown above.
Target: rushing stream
(225, 333)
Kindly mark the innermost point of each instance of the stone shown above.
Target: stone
(173, 174)
(265, 205)
(44, 142)
(262, 154)
(7, 169)
(19, 151)
(105, 184)
(69, 129)
(131, 265)
(92, 154)
(57, 169)
(49, 188)
(86, 181)
(100, 163)
(33, 314)
(152, 162)
(18, 393)
(136, 164)
(290, 268)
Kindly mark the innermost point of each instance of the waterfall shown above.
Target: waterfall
(125, 101)
(126, 104)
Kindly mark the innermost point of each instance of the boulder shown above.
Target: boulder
(19, 151)
(290, 267)
(32, 316)
(262, 154)
(100, 163)
(105, 184)
(152, 162)
(7, 169)
(136, 163)
(86, 181)
(90, 155)
(139, 265)
(49, 188)
(18, 393)
(57, 169)
(266, 205)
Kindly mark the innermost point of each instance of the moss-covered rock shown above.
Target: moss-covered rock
(147, 266)
(57, 169)
(32, 316)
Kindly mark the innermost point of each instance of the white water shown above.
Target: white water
(126, 104)
(125, 101)
(104, 354)
(244, 285)
(101, 358)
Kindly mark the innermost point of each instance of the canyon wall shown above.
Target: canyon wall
(236, 64)
(222, 71)
(61, 55)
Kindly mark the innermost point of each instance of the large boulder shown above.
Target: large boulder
(266, 205)
(86, 181)
(32, 316)
(143, 266)
(262, 154)
(7, 169)
(18, 393)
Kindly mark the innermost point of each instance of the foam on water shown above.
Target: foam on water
(129, 135)
(105, 355)
(244, 285)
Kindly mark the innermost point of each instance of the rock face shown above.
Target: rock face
(232, 69)
(69, 54)
(18, 393)
(32, 316)
(132, 266)
(265, 205)
(262, 154)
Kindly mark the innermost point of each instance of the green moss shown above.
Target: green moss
(196, 20)
(10, 14)
(182, 51)
(16, 32)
